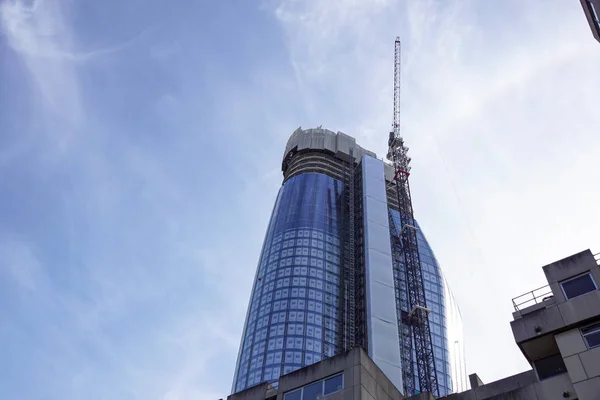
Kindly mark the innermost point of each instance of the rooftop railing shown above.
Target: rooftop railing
(536, 296)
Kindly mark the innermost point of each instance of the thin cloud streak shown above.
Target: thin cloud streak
(41, 37)
(142, 296)
(40, 30)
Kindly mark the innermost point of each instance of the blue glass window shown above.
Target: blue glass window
(295, 395)
(313, 391)
(577, 286)
(591, 334)
(293, 266)
(435, 301)
(333, 384)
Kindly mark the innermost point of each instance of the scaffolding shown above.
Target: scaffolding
(350, 265)
(417, 318)
(402, 307)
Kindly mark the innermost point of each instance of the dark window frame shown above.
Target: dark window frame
(291, 392)
(321, 381)
(330, 378)
(560, 367)
(594, 329)
(586, 274)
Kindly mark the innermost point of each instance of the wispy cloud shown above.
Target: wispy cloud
(39, 32)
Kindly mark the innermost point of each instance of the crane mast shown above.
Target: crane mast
(414, 314)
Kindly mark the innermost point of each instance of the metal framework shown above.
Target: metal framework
(405, 242)
(402, 307)
(350, 270)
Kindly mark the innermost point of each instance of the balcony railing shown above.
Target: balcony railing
(536, 296)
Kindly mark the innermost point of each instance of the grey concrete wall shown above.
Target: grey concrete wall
(547, 319)
(522, 386)
(554, 388)
(570, 266)
(475, 381)
(258, 392)
(509, 384)
(330, 366)
(363, 380)
(534, 327)
(550, 300)
(374, 384)
(580, 309)
(338, 143)
(583, 364)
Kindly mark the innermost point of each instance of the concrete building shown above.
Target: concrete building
(557, 328)
(352, 375)
(327, 281)
(591, 8)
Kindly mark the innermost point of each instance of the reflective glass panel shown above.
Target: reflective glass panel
(578, 286)
(292, 283)
(333, 384)
(591, 335)
(436, 301)
(313, 391)
(295, 395)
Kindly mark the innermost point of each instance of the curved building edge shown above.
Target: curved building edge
(317, 160)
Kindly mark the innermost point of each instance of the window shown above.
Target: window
(295, 395)
(591, 334)
(579, 285)
(312, 391)
(550, 366)
(333, 384)
(316, 390)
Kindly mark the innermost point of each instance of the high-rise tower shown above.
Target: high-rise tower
(327, 280)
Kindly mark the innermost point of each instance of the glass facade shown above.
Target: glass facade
(456, 344)
(294, 313)
(436, 296)
(301, 306)
(436, 301)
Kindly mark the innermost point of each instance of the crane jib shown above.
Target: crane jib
(415, 332)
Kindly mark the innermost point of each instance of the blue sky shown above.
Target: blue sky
(140, 146)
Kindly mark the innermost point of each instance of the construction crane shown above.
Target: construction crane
(414, 314)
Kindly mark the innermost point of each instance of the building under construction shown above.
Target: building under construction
(347, 285)
(329, 278)
(344, 265)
